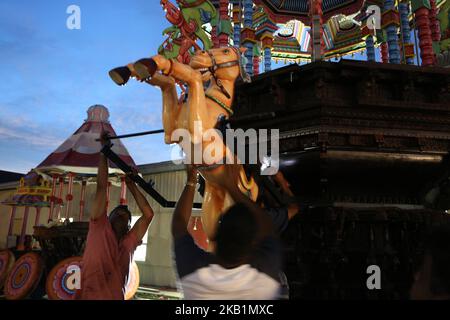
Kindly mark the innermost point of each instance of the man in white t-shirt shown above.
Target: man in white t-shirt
(246, 261)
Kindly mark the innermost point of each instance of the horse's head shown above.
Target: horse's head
(220, 63)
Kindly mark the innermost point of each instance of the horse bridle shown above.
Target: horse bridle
(215, 66)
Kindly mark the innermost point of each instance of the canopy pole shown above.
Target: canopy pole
(69, 195)
(11, 222)
(38, 216)
(60, 202)
(82, 197)
(24, 228)
(52, 198)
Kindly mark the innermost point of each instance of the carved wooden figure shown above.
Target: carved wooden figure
(198, 113)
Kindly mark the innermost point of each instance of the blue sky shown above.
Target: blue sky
(51, 75)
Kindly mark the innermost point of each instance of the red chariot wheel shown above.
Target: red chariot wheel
(7, 261)
(60, 283)
(133, 281)
(24, 277)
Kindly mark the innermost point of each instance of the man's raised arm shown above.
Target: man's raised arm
(183, 208)
(141, 226)
(263, 220)
(99, 207)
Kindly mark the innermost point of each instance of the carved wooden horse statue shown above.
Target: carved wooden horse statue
(220, 67)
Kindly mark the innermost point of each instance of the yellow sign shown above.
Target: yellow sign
(34, 191)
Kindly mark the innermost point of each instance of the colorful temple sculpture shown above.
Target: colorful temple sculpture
(360, 140)
(292, 31)
(365, 143)
(388, 31)
(187, 21)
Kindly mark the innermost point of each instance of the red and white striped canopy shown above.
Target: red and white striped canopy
(79, 154)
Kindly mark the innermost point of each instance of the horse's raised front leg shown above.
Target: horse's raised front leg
(198, 114)
(170, 104)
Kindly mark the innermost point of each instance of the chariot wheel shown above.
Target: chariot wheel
(7, 261)
(25, 277)
(60, 283)
(133, 281)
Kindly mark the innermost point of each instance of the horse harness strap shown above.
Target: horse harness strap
(216, 66)
(213, 70)
(223, 65)
(220, 103)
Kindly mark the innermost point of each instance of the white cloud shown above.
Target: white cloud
(29, 137)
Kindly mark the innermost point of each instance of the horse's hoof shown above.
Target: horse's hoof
(145, 68)
(120, 75)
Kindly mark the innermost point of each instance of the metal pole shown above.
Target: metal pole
(134, 134)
